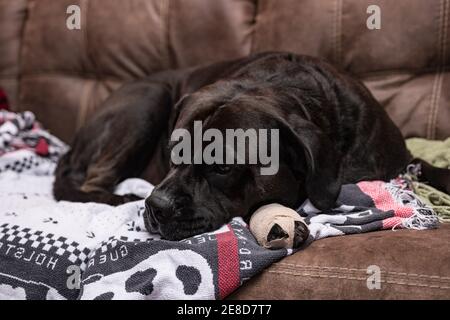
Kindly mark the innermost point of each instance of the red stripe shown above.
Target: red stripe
(383, 200)
(228, 262)
(391, 222)
(42, 147)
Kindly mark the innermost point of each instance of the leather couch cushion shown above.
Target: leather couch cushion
(200, 31)
(404, 64)
(12, 20)
(413, 264)
(65, 74)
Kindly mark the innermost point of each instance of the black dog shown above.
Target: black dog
(332, 131)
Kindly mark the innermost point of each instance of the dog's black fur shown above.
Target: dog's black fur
(332, 131)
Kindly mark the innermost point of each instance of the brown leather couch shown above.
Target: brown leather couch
(63, 75)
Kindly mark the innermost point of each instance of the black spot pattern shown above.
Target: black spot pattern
(105, 296)
(141, 282)
(92, 279)
(190, 277)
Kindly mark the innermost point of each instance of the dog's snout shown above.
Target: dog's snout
(161, 206)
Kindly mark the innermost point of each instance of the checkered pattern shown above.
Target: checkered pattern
(46, 242)
(126, 239)
(21, 165)
(112, 242)
(21, 131)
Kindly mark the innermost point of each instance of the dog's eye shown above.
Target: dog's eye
(222, 168)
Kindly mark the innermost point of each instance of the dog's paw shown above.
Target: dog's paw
(301, 233)
(278, 237)
(276, 233)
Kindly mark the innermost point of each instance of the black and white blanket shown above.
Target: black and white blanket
(63, 250)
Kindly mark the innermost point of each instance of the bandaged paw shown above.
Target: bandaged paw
(275, 226)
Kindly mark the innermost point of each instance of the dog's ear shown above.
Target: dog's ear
(313, 155)
(200, 105)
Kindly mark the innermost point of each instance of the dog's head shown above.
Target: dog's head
(199, 196)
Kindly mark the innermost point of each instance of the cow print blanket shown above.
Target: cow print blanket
(63, 250)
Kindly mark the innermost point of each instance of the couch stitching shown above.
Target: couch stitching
(387, 273)
(82, 110)
(12, 79)
(356, 278)
(433, 88)
(165, 33)
(336, 276)
(254, 25)
(441, 73)
(337, 31)
(318, 267)
(22, 52)
(363, 270)
(72, 74)
(316, 275)
(392, 72)
(436, 105)
(446, 27)
(88, 88)
(431, 130)
(366, 75)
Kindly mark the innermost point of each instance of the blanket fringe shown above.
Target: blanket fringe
(424, 216)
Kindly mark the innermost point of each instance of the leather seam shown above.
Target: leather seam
(83, 104)
(165, 33)
(437, 83)
(435, 108)
(88, 88)
(441, 64)
(20, 54)
(393, 72)
(337, 31)
(254, 25)
(356, 278)
(81, 76)
(22, 51)
(9, 76)
(364, 76)
(363, 270)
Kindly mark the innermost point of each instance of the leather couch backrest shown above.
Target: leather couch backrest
(63, 75)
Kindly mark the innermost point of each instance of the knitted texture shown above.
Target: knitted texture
(438, 154)
(435, 152)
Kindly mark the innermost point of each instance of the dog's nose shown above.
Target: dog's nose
(161, 206)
